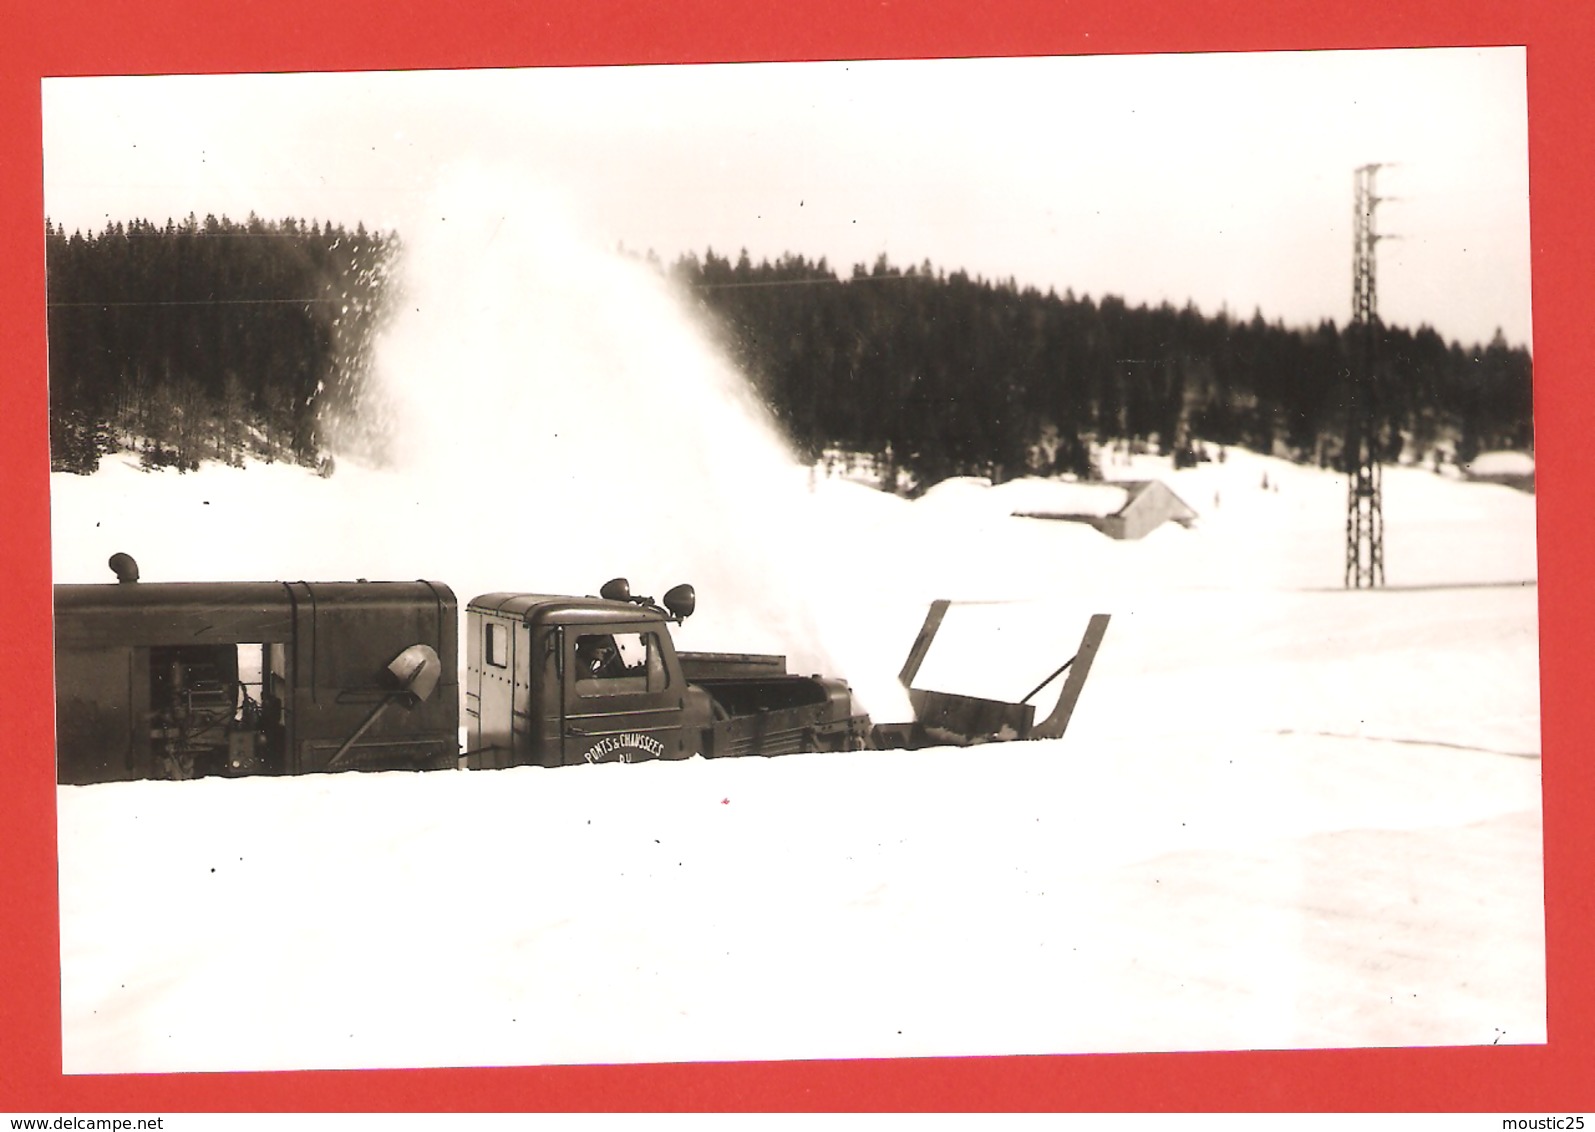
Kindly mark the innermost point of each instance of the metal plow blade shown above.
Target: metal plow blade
(948, 719)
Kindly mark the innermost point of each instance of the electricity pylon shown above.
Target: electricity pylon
(1365, 525)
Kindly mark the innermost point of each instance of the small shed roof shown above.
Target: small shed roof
(1097, 504)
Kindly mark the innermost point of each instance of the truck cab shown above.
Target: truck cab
(554, 681)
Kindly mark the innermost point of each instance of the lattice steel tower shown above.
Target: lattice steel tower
(1365, 533)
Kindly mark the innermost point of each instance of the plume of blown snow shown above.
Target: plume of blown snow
(569, 412)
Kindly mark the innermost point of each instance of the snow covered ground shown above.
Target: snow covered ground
(1285, 814)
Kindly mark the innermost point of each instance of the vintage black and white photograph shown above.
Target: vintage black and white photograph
(794, 561)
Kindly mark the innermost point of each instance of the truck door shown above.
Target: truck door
(620, 705)
(539, 700)
(491, 690)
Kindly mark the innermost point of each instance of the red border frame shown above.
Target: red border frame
(74, 37)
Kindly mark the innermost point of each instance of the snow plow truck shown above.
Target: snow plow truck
(191, 679)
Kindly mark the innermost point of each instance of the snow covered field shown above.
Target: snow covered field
(1285, 815)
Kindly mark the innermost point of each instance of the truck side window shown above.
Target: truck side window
(496, 646)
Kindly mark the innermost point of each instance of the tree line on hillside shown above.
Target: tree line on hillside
(952, 374)
(208, 339)
(223, 340)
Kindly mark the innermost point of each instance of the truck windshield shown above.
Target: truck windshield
(607, 663)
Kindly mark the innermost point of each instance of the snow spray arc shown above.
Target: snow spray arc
(529, 370)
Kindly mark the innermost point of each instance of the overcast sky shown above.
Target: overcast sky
(1224, 180)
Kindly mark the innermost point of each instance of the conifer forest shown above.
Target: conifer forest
(229, 341)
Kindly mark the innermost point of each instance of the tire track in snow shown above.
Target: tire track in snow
(1287, 731)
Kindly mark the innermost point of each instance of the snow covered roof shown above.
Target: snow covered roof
(1095, 503)
(1060, 498)
(1501, 464)
(1514, 469)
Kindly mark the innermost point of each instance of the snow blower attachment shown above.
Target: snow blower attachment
(191, 679)
(948, 719)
